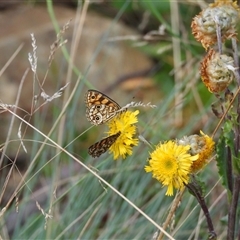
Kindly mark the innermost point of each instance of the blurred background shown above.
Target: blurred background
(131, 51)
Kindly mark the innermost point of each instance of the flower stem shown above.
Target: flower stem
(219, 38)
(196, 191)
(235, 187)
(229, 170)
(233, 208)
(235, 56)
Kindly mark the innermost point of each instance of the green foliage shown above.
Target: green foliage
(128, 8)
(83, 207)
(224, 145)
(198, 184)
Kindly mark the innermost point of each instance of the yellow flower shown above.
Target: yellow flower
(201, 145)
(124, 123)
(170, 164)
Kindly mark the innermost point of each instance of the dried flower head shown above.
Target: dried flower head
(223, 14)
(202, 145)
(217, 71)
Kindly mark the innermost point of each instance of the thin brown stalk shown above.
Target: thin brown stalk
(225, 113)
(92, 172)
(218, 32)
(80, 19)
(233, 208)
(8, 136)
(171, 212)
(1, 72)
(10, 59)
(175, 21)
(195, 191)
(229, 169)
(235, 187)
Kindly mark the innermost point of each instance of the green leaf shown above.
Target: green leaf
(221, 159)
(236, 164)
(224, 145)
(198, 184)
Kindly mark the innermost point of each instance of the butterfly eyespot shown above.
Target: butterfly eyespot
(98, 104)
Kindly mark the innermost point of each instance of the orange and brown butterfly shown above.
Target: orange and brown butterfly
(100, 107)
(102, 146)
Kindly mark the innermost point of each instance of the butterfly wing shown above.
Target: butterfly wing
(102, 146)
(100, 107)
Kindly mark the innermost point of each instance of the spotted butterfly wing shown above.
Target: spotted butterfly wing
(100, 108)
(102, 146)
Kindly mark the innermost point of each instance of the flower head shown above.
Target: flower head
(217, 71)
(223, 14)
(203, 146)
(170, 164)
(124, 123)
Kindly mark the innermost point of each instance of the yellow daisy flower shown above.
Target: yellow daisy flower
(202, 145)
(124, 123)
(170, 164)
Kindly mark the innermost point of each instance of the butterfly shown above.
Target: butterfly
(100, 108)
(102, 146)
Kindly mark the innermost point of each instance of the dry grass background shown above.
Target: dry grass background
(56, 177)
